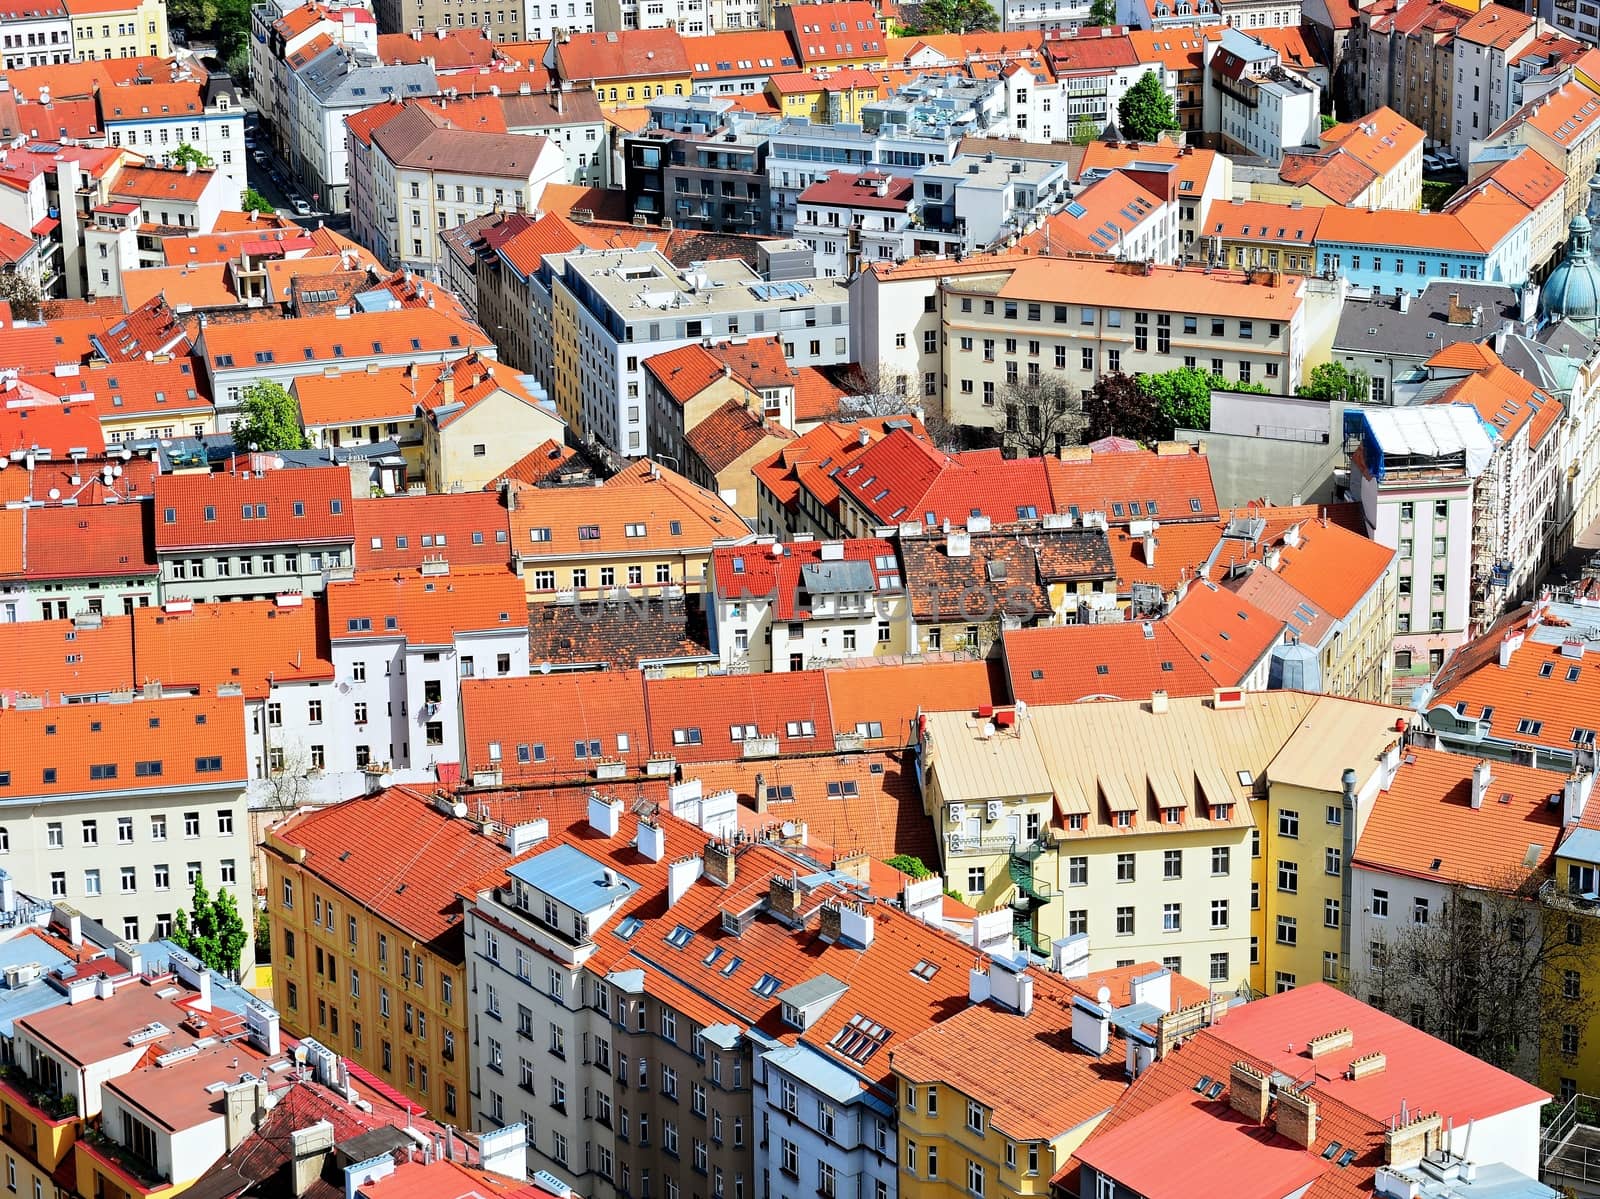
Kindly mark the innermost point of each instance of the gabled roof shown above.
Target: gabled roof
(293, 507)
(1227, 633)
(867, 692)
(532, 728)
(731, 432)
(1504, 400)
(328, 339)
(629, 54)
(735, 53)
(1424, 825)
(1066, 664)
(425, 609)
(153, 745)
(101, 541)
(791, 575)
(399, 857)
(645, 509)
(693, 719)
(252, 644)
(54, 660)
(401, 532)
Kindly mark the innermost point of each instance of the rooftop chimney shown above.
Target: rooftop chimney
(605, 815)
(783, 899)
(1481, 776)
(1297, 1117)
(1247, 1092)
(1575, 796)
(719, 862)
(652, 840)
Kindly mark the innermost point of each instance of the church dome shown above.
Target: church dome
(1572, 293)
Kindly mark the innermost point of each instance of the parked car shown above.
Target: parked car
(301, 208)
(1447, 160)
(1431, 164)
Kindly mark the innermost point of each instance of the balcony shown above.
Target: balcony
(54, 1107)
(124, 1164)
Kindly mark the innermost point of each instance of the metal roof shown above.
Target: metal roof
(572, 877)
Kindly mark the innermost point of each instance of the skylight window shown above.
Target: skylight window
(628, 927)
(767, 985)
(680, 936)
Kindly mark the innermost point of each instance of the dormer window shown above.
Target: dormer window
(1172, 815)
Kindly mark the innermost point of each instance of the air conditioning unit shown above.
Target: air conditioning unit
(958, 813)
(992, 809)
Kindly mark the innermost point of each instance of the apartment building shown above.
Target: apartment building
(608, 312)
(150, 797)
(1485, 48)
(1561, 126)
(627, 63)
(1405, 61)
(104, 29)
(969, 584)
(1081, 319)
(235, 355)
(1196, 179)
(429, 174)
(688, 385)
(1374, 161)
(778, 606)
(156, 118)
(400, 643)
(251, 536)
(851, 218)
(721, 1010)
(37, 36)
(833, 33)
(644, 532)
(1228, 1101)
(366, 966)
(1264, 109)
(117, 1062)
(1383, 250)
(1493, 825)
(1220, 786)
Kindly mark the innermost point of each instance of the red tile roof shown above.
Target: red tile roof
(778, 572)
(425, 609)
(287, 507)
(53, 660)
(866, 189)
(538, 464)
(251, 644)
(890, 696)
(101, 541)
(629, 54)
(693, 720)
(57, 427)
(1504, 400)
(157, 745)
(676, 516)
(399, 857)
(1227, 633)
(466, 529)
(731, 432)
(1424, 825)
(1070, 663)
(537, 723)
(162, 183)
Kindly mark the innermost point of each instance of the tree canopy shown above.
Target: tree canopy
(1335, 381)
(1148, 408)
(1039, 415)
(271, 419)
(1184, 395)
(254, 201)
(1145, 110)
(952, 16)
(907, 863)
(22, 293)
(212, 929)
(185, 154)
(1103, 13)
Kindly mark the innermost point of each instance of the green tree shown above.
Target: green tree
(907, 863)
(22, 293)
(254, 201)
(1084, 131)
(271, 419)
(953, 16)
(212, 930)
(1183, 396)
(185, 154)
(1335, 381)
(1119, 407)
(1103, 12)
(1145, 110)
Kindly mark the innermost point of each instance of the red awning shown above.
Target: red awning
(377, 1085)
(45, 227)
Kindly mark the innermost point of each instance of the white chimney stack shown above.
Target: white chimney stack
(605, 816)
(1481, 776)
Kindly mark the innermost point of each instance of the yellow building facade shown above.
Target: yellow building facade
(104, 29)
(943, 1130)
(365, 987)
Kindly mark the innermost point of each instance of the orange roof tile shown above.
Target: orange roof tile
(399, 857)
(99, 542)
(400, 532)
(732, 431)
(882, 702)
(629, 54)
(792, 707)
(253, 644)
(1424, 825)
(300, 507)
(425, 609)
(676, 516)
(161, 183)
(603, 711)
(1227, 633)
(538, 464)
(155, 745)
(1070, 663)
(55, 660)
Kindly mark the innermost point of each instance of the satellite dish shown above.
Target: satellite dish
(277, 463)
(55, 493)
(1103, 995)
(117, 471)
(777, 549)
(789, 829)
(4, 462)
(544, 668)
